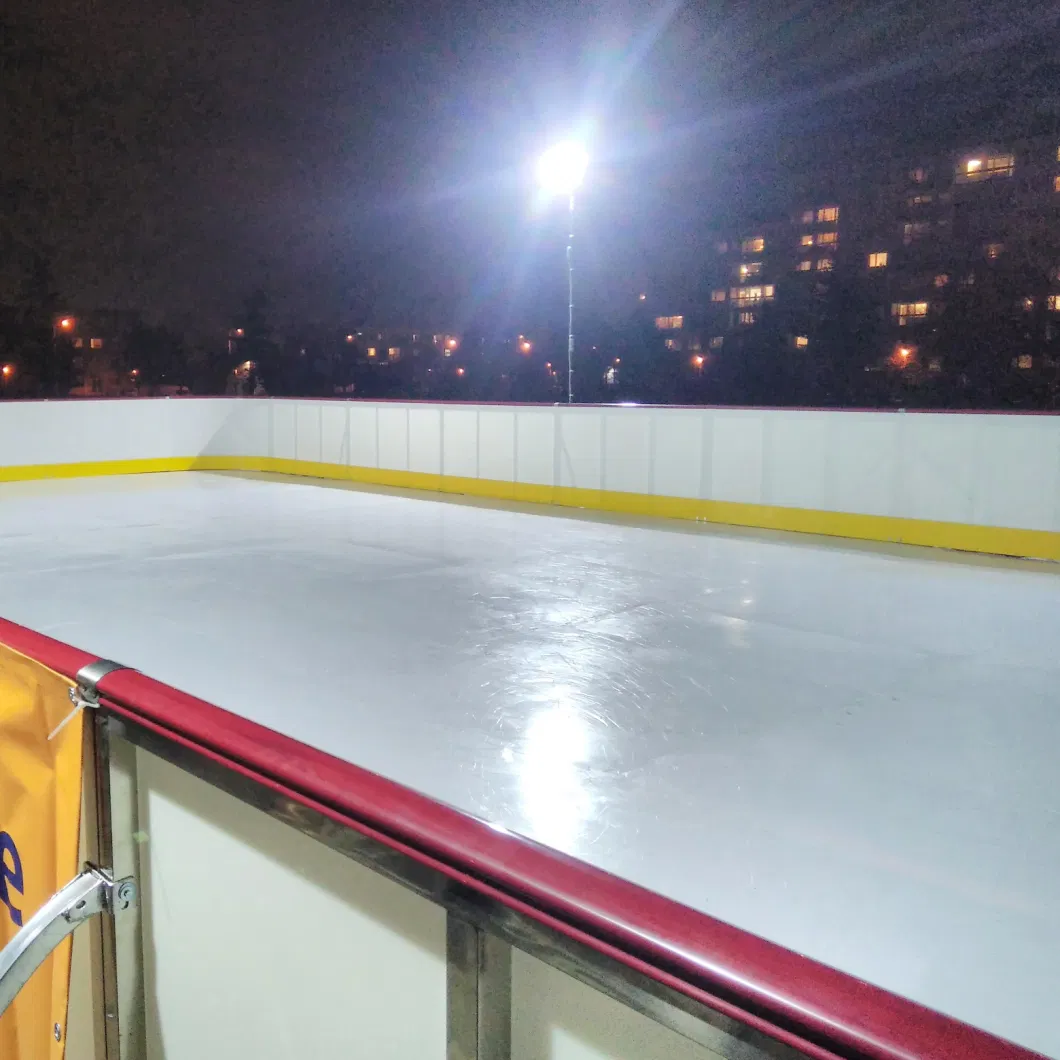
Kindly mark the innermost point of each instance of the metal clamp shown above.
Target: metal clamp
(88, 895)
(85, 694)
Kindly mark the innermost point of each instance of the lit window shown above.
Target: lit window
(79, 344)
(827, 238)
(825, 265)
(96, 344)
(914, 230)
(750, 268)
(985, 168)
(671, 344)
(906, 311)
(1054, 302)
(918, 175)
(942, 279)
(753, 295)
(828, 213)
(394, 352)
(753, 245)
(371, 351)
(993, 250)
(717, 296)
(1024, 360)
(717, 342)
(802, 341)
(806, 240)
(1027, 304)
(747, 317)
(878, 260)
(1058, 154)
(804, 266)
(669, 323)
(807, 217)
(935, 365)
(1056, 182)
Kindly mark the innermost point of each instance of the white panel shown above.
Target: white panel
(194, 424)
(555, 1017)
(863, 450)
(307, 431)
(335, 432)
(393, 437)
(1017, 467)
(425, 439)
(245, 431)
(496, 444)
(627, 450)
(936, 468)
(580, 456)
(678, 451)
(37, 432)
(460, 442)
(796, 459)
(260, 942)
(363, 427)
(535, 446)
(284, 429)
(736, 458)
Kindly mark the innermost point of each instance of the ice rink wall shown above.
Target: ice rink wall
(975, 482)
(262, 899)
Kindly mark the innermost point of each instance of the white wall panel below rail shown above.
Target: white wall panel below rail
(260, 942)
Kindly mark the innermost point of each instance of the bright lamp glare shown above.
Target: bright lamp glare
(562, 168)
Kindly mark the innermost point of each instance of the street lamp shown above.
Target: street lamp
(561, 171)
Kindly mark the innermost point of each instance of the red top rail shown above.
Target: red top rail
(818, 1010)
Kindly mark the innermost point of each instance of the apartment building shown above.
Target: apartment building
(915, 243)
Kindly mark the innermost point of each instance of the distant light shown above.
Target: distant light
(526, 347)
(247, 365)
(548, 366)
(349, 338)
(561, 169)
(973, 165)
(8, 371)
(697, 361)
(460, 371)
(643, 297)
(905, 352)
(452, 344)
(802, 341)
(135, 372)
(67, 323)
(618, 360)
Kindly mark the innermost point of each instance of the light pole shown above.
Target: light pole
(561, 171)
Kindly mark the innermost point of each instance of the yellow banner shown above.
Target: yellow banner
(40, 810)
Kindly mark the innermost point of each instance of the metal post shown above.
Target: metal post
(570, 307)
(479, 989)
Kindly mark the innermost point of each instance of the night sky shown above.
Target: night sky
(374, 160)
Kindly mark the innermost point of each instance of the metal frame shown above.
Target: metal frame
(91, 894)
(480, 932)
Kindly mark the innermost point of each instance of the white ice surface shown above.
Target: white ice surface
(852, 754)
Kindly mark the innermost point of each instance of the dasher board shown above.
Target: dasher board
(849, 752)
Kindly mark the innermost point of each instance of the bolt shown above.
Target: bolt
(126, 895)
(58, 1032)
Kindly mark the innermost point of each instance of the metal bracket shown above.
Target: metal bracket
(85, 695)
(92, 893)
(89, 677)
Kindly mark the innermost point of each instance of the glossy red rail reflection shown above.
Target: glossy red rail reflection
(814, 1008)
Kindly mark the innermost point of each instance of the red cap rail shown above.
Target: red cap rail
(816, 1009)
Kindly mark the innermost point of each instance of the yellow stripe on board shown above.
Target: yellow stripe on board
(962, 537)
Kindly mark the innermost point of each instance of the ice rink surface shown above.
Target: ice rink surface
(852, 753)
